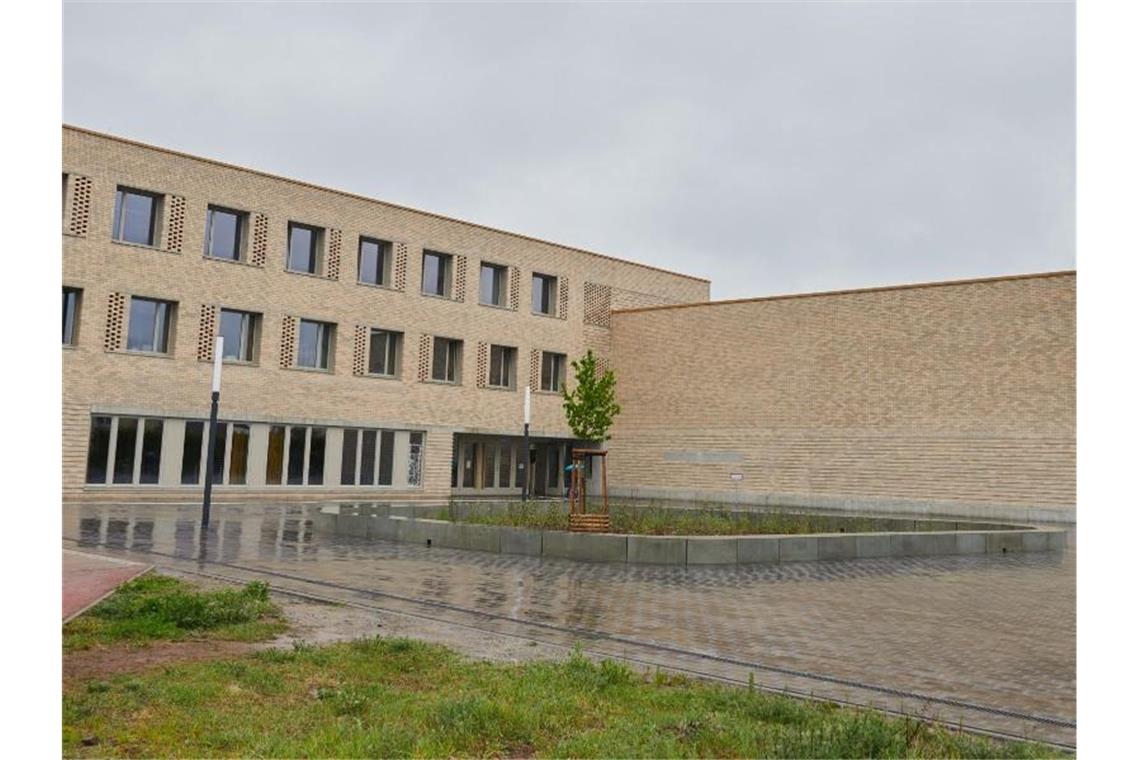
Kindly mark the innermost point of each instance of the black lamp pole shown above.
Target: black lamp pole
(526, 445)
(211, 441)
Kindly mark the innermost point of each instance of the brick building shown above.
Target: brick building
(377, 351)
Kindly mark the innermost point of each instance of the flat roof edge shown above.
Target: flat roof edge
(851, 291)
(357, 196)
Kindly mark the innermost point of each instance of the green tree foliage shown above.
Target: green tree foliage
(590, 407)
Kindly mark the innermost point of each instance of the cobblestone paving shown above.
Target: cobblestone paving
(994, 631)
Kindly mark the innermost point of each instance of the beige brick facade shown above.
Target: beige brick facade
(952, 393)
(101, 377)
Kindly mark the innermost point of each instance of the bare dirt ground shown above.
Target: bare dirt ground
(310, 622)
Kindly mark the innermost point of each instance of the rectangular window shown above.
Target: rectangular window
(192, 451)
(304, 248)
(384, 352)
(297, 456)
(225, 233)
(151, 451)
(387, 446)
(505, 464)
(239, 453)
(125, 450)
(437, 274)
(367, 457)
(502, 369)
(416, 459)
(98, 448)
(492, 284)
(275, 455)
(136, 217)
(220, 432)
(375, 261)
(239, 330)
(70, 315)
(543, 292)
(313, 341)
(317, 456)
(348, 459)
(148, 328)
(446, 356)
(553, 371)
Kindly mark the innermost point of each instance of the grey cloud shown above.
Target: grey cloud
(771, 148)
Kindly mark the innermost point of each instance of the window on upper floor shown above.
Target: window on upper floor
(437, 274)
(384, 352)
(492, 284)
(553, 371)
(446, 360)
(543, 293)
(374, 265)
(71, 301)
(314, 344)
(136, 216)
(225, 233)
(240, 331)
(502, 367)
(149, 325)
(305, 245)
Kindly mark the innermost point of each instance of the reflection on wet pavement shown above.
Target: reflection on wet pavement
(992, 630)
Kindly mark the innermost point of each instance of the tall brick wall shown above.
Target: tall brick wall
(957, 392)
(95, 379)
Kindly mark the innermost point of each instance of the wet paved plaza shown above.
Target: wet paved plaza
(988, 641)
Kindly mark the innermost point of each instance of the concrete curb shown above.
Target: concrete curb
(687, 550)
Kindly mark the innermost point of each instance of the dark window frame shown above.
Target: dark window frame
(160, 336)
(250, 336)
(498, 284)
(393, 349)
(554, 380)
(72, 304)
(316, 247)
(547, 290)
(325, 348)
(453, 364)
(383, 261)
(241, 227)
(120, 211)
(444, 280)
(507, 364)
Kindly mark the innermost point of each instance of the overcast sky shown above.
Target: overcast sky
(771, 148)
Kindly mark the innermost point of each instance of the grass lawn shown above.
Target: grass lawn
(156, 607)
(391, 697)
(664, 521)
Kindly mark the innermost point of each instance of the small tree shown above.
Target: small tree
(590, 407)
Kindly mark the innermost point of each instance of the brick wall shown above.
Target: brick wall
(957, 392)
(176, 270)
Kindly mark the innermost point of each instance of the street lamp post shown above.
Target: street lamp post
(526, 444)
(211, 441)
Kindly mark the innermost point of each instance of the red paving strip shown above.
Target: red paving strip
(89, 578)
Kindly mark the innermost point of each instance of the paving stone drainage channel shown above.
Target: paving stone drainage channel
(419, 524)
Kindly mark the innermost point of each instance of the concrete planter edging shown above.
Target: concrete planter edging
(688, 550)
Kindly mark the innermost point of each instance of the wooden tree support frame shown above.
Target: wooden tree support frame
(582, 521)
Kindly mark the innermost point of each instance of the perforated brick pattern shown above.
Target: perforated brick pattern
(535, 369)
(288, 341)
(481, 364)
(207, 325)
(80, 205)
(563, 297)
(597, 304)
(459, 287)
(423, 361)
(332, 258)
(176, 224)
(259, 240)
(513, 291)
(116, 311)
(400, 265)
(360, 350)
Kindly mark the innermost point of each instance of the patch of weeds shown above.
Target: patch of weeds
(156, 607)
